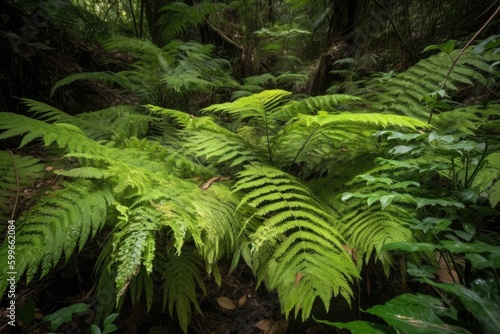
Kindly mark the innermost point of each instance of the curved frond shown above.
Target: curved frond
(295, 237)
(58, 225)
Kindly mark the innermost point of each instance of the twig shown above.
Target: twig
(16, 170)
(460, 55)
(224, 36)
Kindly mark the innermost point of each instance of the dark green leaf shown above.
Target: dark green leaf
(417, 314)
(485, 309)
(360, 327)
(410, 246)
(65, 314)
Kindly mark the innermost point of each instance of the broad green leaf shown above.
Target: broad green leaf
(410, 246)
(360, 327)
(65, 314)
(486, 310)
(417, 314)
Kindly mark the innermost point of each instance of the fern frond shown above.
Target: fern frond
(46, 112)
(368, 228)
(311, 105)
(28, 169)
(106, 77)
(64, 135)
(116, 123)
(313, 139)
(133, 244)
(182, 278)
(401, 94)
(296, 236)
(257, 106)
(221, 147)
(59, 224)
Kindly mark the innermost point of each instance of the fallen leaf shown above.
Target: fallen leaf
(242, 300)
(226, 303)
(279, 327)
(265, 325)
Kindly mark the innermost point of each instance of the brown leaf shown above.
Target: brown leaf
(242, 300)
(265, 325)
(298, 277)
(279, 327)
(226, 303)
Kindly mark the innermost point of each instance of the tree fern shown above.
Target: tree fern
(294, 237)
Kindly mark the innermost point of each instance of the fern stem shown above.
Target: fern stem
(479, 164)
(300, 150)
(466, 178)
(269, 151)
(460, 55)
(454, 174)
(18, 183)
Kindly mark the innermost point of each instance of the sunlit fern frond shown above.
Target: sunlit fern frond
(295, 248)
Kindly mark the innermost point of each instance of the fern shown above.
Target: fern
(181, 279)
(294, 236)
(64, 135)
(177, 16)
(401, 94)
(56, 226)
(179, 67)
(311, 140)
(133, 244)
(13, 169)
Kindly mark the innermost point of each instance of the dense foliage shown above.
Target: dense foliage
(196, 169)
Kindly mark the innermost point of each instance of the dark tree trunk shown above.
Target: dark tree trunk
(152, 11)
(340, 38)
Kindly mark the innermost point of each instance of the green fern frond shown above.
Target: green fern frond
(311, 105)
(182, 278)
(133, 244)
(46, 112)
(258, 106)
(101, 76)
(401, 94)
(59, 224)
(221, 147)
(64, 135)
(27, 168)
(368, 228)
(313, 139)
(116, 123)
(296, 237)
(220, 224)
